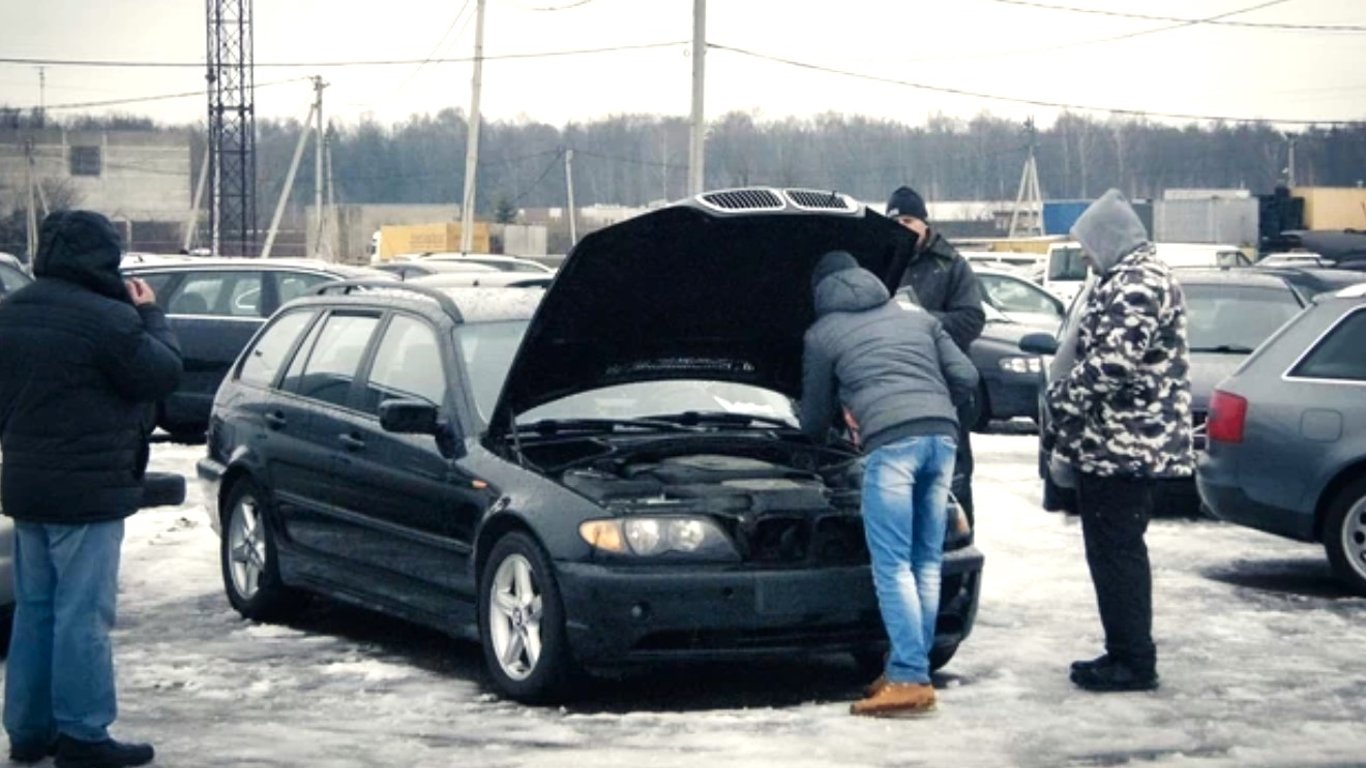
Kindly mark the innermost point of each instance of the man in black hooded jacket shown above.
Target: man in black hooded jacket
(82, 356)
(945, 286)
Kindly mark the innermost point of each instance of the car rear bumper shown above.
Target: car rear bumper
(619, 616)
(1228, 501)
(210, 475)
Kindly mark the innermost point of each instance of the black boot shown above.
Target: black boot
(31, 753)
(72, 753)
(1114, 676)
(1098, 661)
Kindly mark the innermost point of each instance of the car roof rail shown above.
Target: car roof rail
(364, 285)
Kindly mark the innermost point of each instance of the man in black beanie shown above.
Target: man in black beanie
(946, 287)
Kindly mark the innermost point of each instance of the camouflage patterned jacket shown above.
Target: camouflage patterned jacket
(1125, 407)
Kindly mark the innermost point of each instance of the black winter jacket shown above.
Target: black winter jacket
(945, 285)
(79, 367)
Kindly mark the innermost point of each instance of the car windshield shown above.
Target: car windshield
(1066, 264)
(1235, 318)
(487, 350)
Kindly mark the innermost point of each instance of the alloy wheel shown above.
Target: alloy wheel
(514, 616)
(1353, 533)
(246, 548)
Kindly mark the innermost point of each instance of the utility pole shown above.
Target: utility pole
(1029, 188)
(32, 212)
(42, 96)
(331, 193)
(289, 182)
(472, 135)
(192, 225)
(697, 140)
(569, 182)
(1290, 168)
(318, 86)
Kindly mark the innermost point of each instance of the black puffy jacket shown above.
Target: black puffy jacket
(79, 367)
(946, 287)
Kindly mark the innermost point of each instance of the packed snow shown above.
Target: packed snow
(1260, 657)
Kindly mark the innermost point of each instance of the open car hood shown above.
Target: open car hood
(714, 287)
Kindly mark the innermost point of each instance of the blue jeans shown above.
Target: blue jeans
(905, 517)
(60, 674)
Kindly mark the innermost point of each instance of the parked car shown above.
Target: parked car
(1287, 435)
(601, 484)
(1339, 248)
(497, 261)
(1067, 272)
(1229, 313)
(487, 279)
(423, 268)
(215, 305)
(1311, 281)
(1020, 299)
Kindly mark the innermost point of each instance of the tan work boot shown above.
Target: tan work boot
(896, 699)
(870, 690)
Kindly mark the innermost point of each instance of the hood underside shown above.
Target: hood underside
(693, 291)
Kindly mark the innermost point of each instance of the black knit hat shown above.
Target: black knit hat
(829, 264)
(907, 202)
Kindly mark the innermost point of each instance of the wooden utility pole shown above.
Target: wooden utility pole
(472, 135)
(318, 86)
(698, 138)
(569, 182)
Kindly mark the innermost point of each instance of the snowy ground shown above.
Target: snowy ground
(1260, 656)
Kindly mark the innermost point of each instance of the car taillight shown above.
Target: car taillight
(1227, 413)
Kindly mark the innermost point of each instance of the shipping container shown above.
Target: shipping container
(427, 238)
(1060, 215)
(1210, 220)
(1333, 207)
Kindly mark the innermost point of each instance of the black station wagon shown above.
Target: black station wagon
(605, 473)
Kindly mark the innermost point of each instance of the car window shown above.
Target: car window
(407, 365)
(229, 294)
(1066, 264)
(1013, 295)
(1338, 355)
(267, 355)
(486, 350)
(335, 356)
(1232, 318)
(291, 285)
(157, 282)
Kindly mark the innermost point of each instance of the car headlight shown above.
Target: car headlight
(1030, 364)
(653, 536)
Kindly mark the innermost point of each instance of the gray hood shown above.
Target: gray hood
(849, 290)
(1109, 229)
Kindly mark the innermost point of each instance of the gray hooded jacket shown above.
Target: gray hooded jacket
(893, 367)
(1123, 409)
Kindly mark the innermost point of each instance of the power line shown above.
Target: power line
(1170, 27)
(341, 63)
(1018, 100)
(1215, 20)
(160, 97)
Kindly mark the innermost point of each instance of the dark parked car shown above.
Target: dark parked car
(605, 483)
(215, 306)
(1229, 313)
(1287, 435)
(1010, 381)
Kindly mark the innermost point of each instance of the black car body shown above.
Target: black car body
(1229, 313)
(617, 480)
(1010, 379)
(215, 306)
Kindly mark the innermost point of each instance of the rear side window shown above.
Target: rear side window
(291, 285)
(1339, 355)
(334, 360)
(265, 358)
(222, 294)
(407, 365)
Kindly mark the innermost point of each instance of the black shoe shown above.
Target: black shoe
(31, 753)
(72, 753)
(1098, 661)
(1114, 676)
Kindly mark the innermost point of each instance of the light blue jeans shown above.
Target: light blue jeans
(60, 674)
(905, 516)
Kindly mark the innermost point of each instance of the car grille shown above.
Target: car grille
(868, 631)
(811, 199)
(791, 539)
(744, 200)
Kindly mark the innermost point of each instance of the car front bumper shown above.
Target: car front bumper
(210, 475)
(619, 616)
(1013, 394)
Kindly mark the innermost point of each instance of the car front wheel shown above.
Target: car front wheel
(251, 572)
(521, 623)
(1344, 535)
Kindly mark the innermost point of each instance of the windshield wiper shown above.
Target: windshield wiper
(557, 426)
(1225, 349)
(724, 418)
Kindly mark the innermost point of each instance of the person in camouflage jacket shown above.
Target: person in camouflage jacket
(1122, 418)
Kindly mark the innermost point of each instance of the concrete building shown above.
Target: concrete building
(142, 180)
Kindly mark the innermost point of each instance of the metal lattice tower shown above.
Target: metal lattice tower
(232, 128)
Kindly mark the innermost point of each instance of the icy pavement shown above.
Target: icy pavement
(1260, 656)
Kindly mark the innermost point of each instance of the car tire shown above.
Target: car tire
(941, 655)
(522, 623)
(1344, 535)
(249, 559)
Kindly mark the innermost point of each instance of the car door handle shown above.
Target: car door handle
(351, 442)
(276, 420)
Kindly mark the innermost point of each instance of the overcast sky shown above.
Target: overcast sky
(1278, 60)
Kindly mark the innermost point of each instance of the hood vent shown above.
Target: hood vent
(818, 200)
(744, 200)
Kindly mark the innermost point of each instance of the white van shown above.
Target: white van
(1066, 270)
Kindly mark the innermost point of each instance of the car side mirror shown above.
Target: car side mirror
(419, 417)
(1039, 343)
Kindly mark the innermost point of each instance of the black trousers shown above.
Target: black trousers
(962, 463)
(1114, 517)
